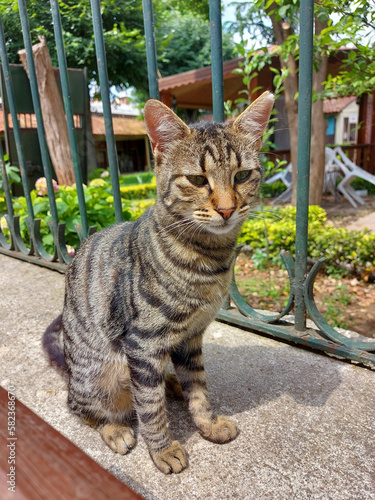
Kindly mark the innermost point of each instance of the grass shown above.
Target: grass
(267, 291)
(333, 305)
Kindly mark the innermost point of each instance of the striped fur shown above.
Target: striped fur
(139, 294)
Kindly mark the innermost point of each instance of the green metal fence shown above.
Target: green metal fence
(324, 337)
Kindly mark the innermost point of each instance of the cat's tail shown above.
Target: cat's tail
(53, 344)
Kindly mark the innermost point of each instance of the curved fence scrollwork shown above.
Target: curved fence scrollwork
(236, 310)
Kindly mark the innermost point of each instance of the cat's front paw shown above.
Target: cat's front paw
(172, 460)
(220, 430)
(119, 437)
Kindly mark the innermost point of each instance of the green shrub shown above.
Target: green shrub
(359, 184)
(272, 190)
(137, 178)
(273, 231)
(99, 207)
(267, 233)
(132, 179)
(141, 191)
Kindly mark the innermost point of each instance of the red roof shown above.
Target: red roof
(121, 126)
(202, 74)
(332, 106)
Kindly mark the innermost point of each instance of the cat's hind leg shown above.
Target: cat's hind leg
(119, 437)
(108, 406)
(115, 382)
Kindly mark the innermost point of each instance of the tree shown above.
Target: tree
(54, 120)
(182, 37)
(123, 33)
(277, 22)
(189, 43)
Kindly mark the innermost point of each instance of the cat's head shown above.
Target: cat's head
(209, 173)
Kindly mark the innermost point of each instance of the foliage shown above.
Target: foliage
(196, 7)
(253, 62)
(340, 247)
(348, 24)
(122, 28)
(189, 45)
(132, 179)
(359, 184)
(272, 190)
(138, 192)
(353, 27)
(99, 205)
(123, 34)
(12, 173)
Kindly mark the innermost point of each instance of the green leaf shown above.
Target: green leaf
(283, 11)
(47, 239)
(71, 222)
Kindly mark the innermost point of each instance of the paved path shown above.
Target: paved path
(368, 221)
(307, 421)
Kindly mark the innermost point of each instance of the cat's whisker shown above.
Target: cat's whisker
(262, 214)
(176, 224)
(187, 229)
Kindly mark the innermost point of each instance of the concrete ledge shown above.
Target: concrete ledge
(307, 421)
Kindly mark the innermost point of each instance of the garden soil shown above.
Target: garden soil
(346, 302)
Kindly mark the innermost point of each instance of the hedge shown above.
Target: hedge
(99, 206)
(274, 230)
(268, 231)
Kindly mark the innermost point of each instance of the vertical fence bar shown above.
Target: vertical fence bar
(152, 70)
(16, 125)
(5, 111)
(303, 159)
(86, 116)
(105, 93)
(13, 221)
(47, 167)
(217, 60)
(8, 200)
(84, 230)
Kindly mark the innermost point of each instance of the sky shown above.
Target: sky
(229, 11)
(229, 14)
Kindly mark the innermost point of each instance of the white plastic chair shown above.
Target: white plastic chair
(285, 176)
(350, 171)
(337, 165)
(332, 172)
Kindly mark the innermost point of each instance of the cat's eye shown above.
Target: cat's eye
(242, 176)
(197, 180)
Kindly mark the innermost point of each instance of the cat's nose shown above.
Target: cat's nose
(225, 212)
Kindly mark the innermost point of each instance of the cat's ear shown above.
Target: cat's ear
(163, 125)
(254, 120)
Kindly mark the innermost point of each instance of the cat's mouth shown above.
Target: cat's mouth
(220, 225)
(223, 226)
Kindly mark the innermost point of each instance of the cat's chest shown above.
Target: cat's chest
(183, 304)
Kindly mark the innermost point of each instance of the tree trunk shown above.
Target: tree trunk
(54, 119)
(282, 30)
(318, 128)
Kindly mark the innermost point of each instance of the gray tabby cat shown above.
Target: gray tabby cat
(139, 294)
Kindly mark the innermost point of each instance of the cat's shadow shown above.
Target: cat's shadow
(244, 377)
